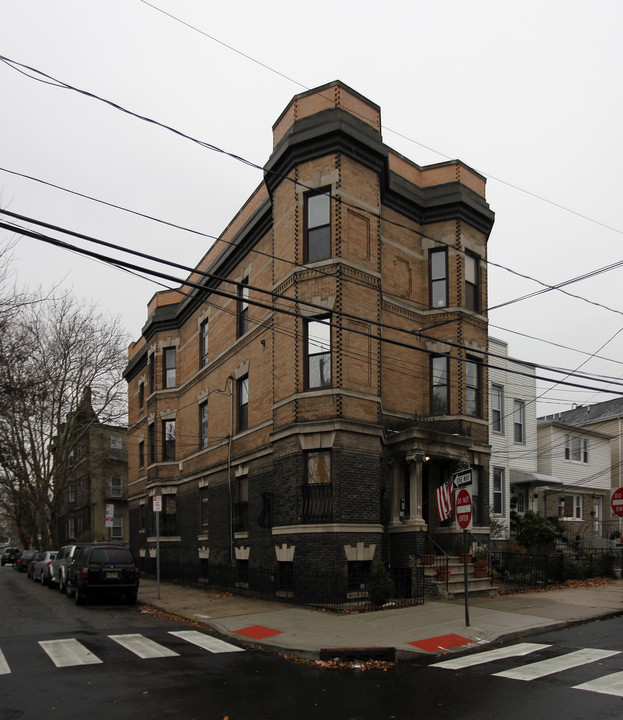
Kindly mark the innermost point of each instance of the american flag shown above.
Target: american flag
(444, 499)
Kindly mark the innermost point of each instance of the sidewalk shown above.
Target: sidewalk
(432, 628)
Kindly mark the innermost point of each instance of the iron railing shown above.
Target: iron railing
(284, 581)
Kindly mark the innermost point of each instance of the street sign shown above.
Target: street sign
(462, 478)
(464, 509)
(157, 500)
(110, 514)
(616, 502)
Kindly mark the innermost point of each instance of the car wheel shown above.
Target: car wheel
(61, 585)
(70, 592)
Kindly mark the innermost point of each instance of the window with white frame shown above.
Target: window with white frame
(203, 425)
(497, 409)
(318, 342)
(519, 421)
(117, 527)
(169, 370)
(116, 447)
(116, 486)
(576, 449)
(471, 283)
(571, 507)
(497, 506)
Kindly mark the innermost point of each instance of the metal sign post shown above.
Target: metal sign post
(157, 500)
(464, 517)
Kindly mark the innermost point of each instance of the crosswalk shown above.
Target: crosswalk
(611, 684)
(70, 652)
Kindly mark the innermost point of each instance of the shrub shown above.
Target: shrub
(536, 532)
(380, 585)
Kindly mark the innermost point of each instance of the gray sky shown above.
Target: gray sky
(529, 94)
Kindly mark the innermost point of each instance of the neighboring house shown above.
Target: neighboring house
(300, 399)
(580, 459)
(607, 417)
(98, 479)
(514, 480)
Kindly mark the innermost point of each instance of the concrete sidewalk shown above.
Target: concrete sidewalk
(432, 628)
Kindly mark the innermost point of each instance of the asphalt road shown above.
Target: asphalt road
(43, 634)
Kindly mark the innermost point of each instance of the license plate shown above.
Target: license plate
(111, 575)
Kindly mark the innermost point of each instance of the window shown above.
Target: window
(471, 283)
(168, 515)
(169, 367)
(241, 504)
(168, 440)
(152, 443)
(519, 421)
(438, 269)
(497, 409)
(152, 373)
(141, 453)
(116, 447)
(116, 486)
(571, 507)
(318, 227)
(243, 403)
(576, 449)
(472, 388)
(71, 528)
(204, 510)
(203, 425)
(117, 527)
(521, 503)
(71, 493)
(498, 491)
(243, 307)
(358, 575)
(439, 385)
(318, 490)
(203, 343)
(141, 395)
(318, 353)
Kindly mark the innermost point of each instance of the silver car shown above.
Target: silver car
(41, 570)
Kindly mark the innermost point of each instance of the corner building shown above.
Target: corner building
(297, 403)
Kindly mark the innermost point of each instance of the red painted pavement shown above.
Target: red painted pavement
(443, 642)
(257, 632)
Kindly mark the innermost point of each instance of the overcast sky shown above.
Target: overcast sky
(527, 93)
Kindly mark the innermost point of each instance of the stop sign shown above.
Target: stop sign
(464, 509)
(616, 502)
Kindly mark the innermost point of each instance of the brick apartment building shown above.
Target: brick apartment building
(300, 399)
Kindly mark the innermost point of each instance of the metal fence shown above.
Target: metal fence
(356, 592)
(521, 571)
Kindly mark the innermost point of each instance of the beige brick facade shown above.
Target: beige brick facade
(361, 408)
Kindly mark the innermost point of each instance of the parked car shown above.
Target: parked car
(30, 567)
(104, 570)
(58, 568)
(22, 561)
(41, 570)
(9, 555)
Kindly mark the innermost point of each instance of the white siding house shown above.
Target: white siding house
(512, 434)
(580, 459)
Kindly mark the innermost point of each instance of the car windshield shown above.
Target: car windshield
(111, 556)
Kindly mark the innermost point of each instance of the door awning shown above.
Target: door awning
(519, 477)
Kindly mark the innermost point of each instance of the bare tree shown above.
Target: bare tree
(52, 350)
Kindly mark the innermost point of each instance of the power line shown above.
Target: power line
(273, 308)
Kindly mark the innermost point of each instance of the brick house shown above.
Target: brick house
(97, 477)
(299, 399)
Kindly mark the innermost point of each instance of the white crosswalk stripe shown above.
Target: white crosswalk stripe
(4, 665)
(67, 653)
(490, 655)
(608, 685)
(207, 642)
(142, 646)
(557, 664)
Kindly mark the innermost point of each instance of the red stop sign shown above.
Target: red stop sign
(616, 502)
(464, 509)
